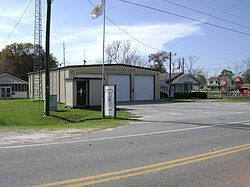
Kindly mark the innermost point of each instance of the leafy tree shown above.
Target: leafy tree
(17, 59)
(159, 59)
(121, 52)
(227, 73)
(246, 76)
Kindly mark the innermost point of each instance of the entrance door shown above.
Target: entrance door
(81, 93)
(5, 92)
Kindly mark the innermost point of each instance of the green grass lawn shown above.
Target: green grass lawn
(243, 99)
(26, 115)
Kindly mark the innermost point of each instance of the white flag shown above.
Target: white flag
(97, 11)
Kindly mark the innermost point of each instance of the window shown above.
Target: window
(18, 87)
(13, 87)
(173, 87)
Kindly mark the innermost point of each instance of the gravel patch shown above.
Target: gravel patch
(39, 136)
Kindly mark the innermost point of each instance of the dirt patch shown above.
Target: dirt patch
(39, 136)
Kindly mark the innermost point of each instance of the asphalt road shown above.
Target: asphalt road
(166, 132)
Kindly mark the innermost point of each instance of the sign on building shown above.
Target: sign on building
(110, 101)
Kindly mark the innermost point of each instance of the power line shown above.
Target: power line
(194, 10)
(131, 35)
(243, 2)
(218, 10)
(225, 63)
(185, 17)
(17, 23)
(136, 39)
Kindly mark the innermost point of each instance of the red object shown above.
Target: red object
(244, 91)
(223, 82)
(238, 80)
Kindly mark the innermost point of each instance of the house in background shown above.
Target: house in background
(181, 83)
(12, 87)
(213, 83)
(219, 83)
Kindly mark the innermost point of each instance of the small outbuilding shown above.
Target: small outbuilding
(12, 87)
(181, 83)
(81, 86)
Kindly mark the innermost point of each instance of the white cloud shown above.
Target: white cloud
(12, 10)
(10, 13)
(17, 37)
(5, 28)
(90, 38)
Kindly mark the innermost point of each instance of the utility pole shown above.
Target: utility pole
(47, 60)
(84, 58)
(64, 64)
(183, 65)
(169, 82)
(103, 56)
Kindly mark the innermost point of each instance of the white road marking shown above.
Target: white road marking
(121, 137)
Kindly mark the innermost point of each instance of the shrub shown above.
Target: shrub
(200, 95)
(182, 95)
(163, 95)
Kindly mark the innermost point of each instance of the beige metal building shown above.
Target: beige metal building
(80, 86)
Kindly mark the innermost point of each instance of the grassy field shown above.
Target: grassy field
(26, 115)
(242, 99)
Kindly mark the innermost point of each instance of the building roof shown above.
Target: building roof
(185, 76)
(165, 76)
(11, 79)
(213, 79)
(99, 65)
(178, 77)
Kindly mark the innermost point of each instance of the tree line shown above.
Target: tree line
(18, 59)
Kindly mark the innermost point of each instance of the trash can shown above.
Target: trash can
(53, 103)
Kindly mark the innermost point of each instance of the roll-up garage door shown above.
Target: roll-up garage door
(122, 85)
(144, 88)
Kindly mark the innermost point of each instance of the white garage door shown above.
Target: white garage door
(122, 86)
(144, 88)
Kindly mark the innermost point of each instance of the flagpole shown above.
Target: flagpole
(103, 55)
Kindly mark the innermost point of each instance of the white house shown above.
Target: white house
(181, 83)
(12, 87)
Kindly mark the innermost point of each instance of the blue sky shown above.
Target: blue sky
(71, 23)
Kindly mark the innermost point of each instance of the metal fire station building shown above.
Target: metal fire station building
(80, 86)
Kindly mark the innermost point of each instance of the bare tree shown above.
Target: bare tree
(190, 65)
(247, 63)
(246, 73)
(121, 52)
